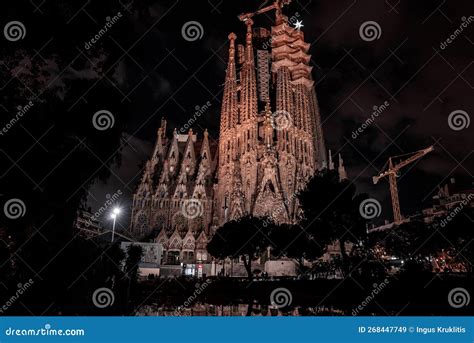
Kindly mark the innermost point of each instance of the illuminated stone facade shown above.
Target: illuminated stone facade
(270, 143)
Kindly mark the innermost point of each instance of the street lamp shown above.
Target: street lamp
(114, 215)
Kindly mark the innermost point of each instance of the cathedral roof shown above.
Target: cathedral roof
(183, 158)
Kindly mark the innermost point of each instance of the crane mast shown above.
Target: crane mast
(277, 5)
(392, 171)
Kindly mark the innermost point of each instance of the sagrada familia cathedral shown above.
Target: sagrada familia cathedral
(270, 143)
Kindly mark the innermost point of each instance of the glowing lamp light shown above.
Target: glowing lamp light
(114, 215)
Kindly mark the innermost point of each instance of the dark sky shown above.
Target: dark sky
(406, 67)
(159, 73)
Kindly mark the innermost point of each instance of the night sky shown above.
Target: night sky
(156, 73)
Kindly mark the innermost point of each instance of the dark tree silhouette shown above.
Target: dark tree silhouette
(246, 238)
(331, 212)
(51, 153)
(294, 242)
(456, 235)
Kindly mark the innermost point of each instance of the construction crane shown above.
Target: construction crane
(277, 5)
(391, 170)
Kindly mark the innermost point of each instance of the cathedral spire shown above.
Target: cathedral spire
(229, 102)
(249, 82)
(331, 163)
(341, 169)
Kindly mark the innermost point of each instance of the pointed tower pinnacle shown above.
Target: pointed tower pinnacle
(341, 169)
(229, 101)
(248, 82)
(331, 163)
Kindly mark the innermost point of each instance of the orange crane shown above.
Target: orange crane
(391, 170)
(277, 5)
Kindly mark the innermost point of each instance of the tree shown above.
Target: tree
(457, 235)
(134, 257)
(331, 211)
(246, 237)
(406, 241)
(294, 242)
(51, 152)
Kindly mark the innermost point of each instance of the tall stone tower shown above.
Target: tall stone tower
(270, 141)
(270, 144)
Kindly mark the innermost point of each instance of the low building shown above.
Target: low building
(152, 254)
(447, 200)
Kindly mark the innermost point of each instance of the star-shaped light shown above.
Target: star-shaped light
(299, 25)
